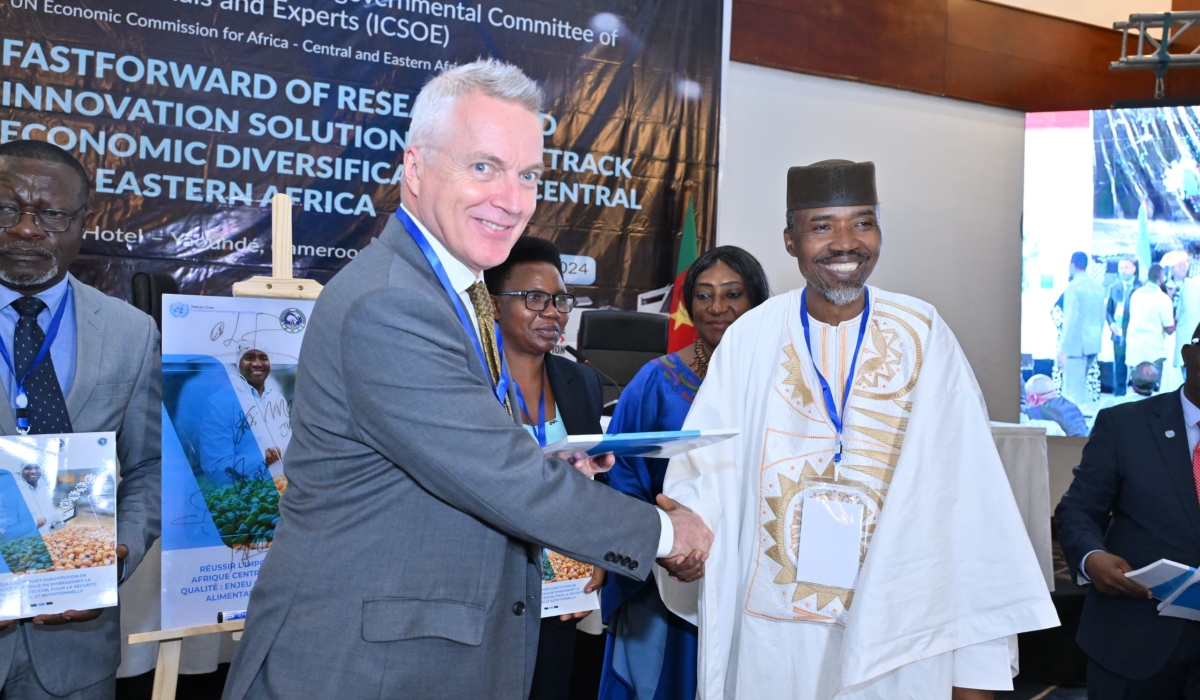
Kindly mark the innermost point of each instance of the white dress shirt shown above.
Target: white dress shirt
(1191, 416)
(461, 278)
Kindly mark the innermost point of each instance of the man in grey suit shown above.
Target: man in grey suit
(102, 373)
(1082, 329)
(405, 563)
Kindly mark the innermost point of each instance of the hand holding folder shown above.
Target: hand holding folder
(1174, 584)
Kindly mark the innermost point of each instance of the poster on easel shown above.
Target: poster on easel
(58, 532)
(229, 373)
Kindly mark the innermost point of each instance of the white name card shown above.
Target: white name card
(830, 537)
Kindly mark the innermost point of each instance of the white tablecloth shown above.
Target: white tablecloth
(1023, 452)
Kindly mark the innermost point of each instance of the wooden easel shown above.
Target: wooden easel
(280, 285)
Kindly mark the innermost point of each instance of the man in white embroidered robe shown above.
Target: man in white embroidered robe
(902, 570)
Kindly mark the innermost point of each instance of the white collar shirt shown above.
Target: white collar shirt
(1191, 416)
(461, 277)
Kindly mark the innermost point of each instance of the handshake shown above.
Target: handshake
(692, 542)
(693, 539)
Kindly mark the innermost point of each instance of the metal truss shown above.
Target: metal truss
(1170, 26)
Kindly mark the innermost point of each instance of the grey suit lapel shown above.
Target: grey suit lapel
(396, 238)
(89, 345)
(1175, 453)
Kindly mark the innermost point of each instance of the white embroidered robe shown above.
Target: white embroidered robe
(948, 576)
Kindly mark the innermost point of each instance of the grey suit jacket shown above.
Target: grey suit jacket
(117, 387)
(401, 567)
(1084, 315)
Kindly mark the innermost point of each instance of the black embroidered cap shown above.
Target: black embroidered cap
(831, 183)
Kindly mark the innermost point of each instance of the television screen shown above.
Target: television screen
(1110, 289)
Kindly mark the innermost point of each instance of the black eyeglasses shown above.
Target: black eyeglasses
(49, 220)
(538, 301)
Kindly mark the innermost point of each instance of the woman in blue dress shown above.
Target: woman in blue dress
(650, 654)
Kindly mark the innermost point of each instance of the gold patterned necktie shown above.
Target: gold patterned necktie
(485, 315)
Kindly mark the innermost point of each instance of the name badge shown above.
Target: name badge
(830, 541)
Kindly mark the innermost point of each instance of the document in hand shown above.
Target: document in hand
(58, 530)
(1174, 584)
(661, 444)
(563, 581)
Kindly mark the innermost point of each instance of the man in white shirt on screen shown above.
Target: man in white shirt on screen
(867, 544)
(1151, 320)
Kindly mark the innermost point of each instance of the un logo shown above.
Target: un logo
(180, 309)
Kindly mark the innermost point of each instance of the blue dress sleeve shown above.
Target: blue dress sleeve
(635, 413)
(649, 403)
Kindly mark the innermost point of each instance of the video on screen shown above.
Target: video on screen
(1110, 284)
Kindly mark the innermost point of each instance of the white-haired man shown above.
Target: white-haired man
(405, 563)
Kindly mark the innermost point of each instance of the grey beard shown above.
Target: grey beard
(30, 279)
(843, 296)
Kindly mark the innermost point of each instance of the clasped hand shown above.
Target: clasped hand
(693, 540)
(66, 616)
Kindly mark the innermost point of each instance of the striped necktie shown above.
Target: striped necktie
(486, 317)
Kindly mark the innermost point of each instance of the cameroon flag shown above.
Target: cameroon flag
(683, 333)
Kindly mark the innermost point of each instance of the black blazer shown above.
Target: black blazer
(578, 393)
(580, 400)
(1137, 466)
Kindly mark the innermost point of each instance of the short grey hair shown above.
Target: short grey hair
(488, 76)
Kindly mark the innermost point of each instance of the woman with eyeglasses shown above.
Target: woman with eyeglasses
(556, 397)
(650, 653)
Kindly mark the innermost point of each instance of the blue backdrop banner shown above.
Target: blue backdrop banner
(191, 114)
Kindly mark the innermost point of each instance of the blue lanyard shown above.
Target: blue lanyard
(21, 401)
(838, 417)
(501, 387)
(539, 428)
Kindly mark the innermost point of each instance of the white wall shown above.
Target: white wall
(949, 178)
(1101, 13)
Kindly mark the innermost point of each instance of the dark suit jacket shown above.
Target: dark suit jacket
(580, 400)
(1137, 466)
(401, 565)
(578, 393)
(1063, 412)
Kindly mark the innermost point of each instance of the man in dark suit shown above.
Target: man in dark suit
(102, 373)
(408, 550)
(1117, 311)
(1141, 466)
(556, 396)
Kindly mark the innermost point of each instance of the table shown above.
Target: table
(1022, 450)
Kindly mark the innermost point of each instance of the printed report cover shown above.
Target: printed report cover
(563, 581)
(229, 373)
(58, 529)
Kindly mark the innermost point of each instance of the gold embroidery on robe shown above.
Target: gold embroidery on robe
(798, 450)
